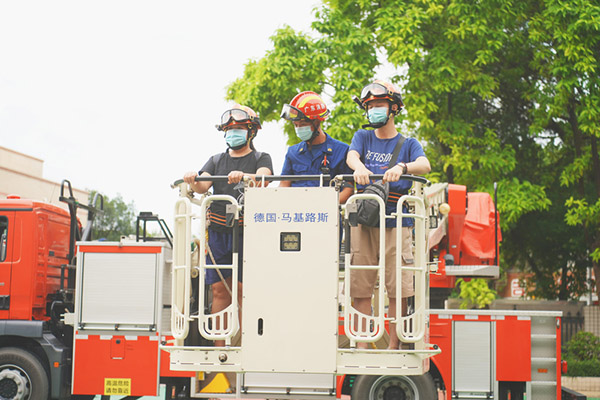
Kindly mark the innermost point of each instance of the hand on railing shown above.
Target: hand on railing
(273, 178)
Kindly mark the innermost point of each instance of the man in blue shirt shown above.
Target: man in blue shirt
(318, 153)
(370, 153)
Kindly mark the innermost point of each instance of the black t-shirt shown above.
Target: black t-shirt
(223, 164)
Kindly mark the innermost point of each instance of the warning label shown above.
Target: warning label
(117, 386)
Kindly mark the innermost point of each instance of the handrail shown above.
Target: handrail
(435, 197)
(360, 327)
(435, 194)
(272, 178)
(75, 233)
(224, 324)
(411, 328)
(182, 265)
(210, 326)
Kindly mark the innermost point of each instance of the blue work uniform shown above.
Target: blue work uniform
(301, 159)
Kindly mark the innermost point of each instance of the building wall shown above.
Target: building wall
(592, 319)
(516, 285)
(22, 175)
(21, 162)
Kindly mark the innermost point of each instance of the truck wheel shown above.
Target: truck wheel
(386, 387)
(22, 376)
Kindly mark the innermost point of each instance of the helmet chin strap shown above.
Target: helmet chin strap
(240, 146)
(380, 124)
(377, 125)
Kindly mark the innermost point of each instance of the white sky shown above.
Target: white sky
(123, 96)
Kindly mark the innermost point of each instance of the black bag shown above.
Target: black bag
(368, 210)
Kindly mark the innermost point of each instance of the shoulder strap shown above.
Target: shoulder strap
(258, 155)
(396, 151)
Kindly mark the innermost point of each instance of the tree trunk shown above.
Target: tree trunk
(591, 240)
(445, 149)
(563, 293)
(595, 164)
(577, 141)
(596, 173)
(596, 268)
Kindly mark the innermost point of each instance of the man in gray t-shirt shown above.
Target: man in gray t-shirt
(240, 125)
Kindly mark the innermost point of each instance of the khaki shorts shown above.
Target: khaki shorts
(364, 246)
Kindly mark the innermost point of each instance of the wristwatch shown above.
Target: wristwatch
(404, 167)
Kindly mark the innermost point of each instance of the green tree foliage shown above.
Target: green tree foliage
(583, 346)
(497, 91)
(118, 219)
(475, 293)
(583, 355)
(566, 43)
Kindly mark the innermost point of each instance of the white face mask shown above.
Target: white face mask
(236, 137)
(304, 132)
(377, 115)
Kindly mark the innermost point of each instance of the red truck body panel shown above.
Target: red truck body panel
(38, 238)
(37, 245)
(100, 362)
(522, 345)
(513, 349)
(469, 236)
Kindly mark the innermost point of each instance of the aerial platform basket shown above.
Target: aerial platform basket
(291, 291)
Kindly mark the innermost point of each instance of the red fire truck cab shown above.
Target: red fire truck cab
(38, 301)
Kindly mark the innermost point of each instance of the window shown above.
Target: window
(3, 237)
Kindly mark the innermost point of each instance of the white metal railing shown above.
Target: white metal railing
(411, 328)
(224, 324)
(435, 196)
(360, 327)
(182, 264)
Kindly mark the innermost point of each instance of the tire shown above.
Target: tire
(387, 387)
(22, 376)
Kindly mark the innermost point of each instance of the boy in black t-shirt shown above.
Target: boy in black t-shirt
(240, 124)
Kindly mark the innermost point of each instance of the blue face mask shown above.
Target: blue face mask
(236, 137)
(304, 132)
(377, 115)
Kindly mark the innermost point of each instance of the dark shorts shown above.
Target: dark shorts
(221, 245)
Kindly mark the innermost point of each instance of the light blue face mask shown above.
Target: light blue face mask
(304, 132)
(236, 137)
(377, 115)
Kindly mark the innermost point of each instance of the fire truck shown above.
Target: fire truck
(83, 318)
(485, 353)
(289, 344)
(56, 341)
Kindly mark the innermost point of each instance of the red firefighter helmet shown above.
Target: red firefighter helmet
(305, 105)
(381, 90)
(237, 115)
